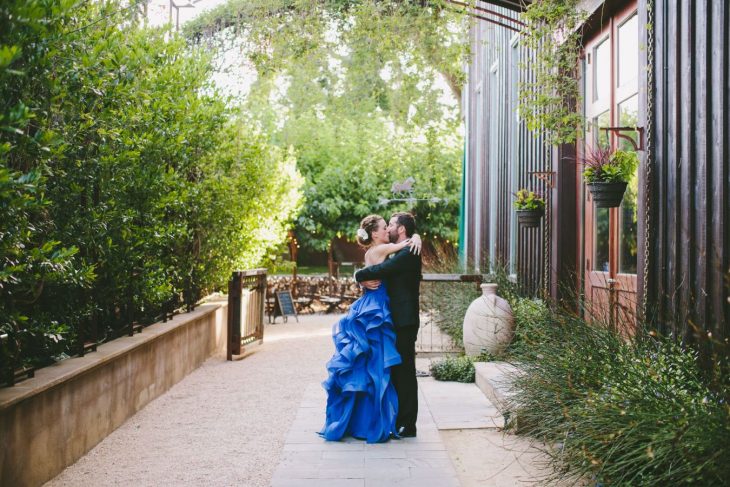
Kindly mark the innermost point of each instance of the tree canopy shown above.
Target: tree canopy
(366, 93)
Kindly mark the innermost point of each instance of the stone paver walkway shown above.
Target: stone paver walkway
(308, 460)
(253, 423)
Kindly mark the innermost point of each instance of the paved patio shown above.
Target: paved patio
(309, 460)
(459, 443)
(253, 422)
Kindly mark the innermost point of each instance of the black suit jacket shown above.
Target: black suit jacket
(402, 275)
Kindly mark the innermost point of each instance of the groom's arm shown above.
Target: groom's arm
(403, 261)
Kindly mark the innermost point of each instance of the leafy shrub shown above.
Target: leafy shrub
(484, 356)
(530, 315)
(458, 369)
(128, 187)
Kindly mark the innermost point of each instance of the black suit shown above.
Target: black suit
(402, 275)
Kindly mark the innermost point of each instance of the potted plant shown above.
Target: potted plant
(607, 172)
(530, 208)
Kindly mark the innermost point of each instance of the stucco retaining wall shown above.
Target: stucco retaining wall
(50, 421)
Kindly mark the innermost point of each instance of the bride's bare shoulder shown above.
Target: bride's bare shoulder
(375, 254)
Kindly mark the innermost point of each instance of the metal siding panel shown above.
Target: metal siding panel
(674, 92)
(701, 63)
(721, 173)
(685, 137)
(655, 283)
(473, 138)
(724, 218)
(504, 196)
(717, 68)
(689, 255)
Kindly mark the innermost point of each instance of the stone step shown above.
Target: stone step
(494, 379)
(458, 406)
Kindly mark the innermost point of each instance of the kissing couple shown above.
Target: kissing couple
(372, 390)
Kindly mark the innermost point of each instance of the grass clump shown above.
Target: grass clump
(457, 369)
(619, 411)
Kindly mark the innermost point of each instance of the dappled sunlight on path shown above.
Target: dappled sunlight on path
(224, 424)
(309, 326)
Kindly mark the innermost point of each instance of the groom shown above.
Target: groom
(402, 273)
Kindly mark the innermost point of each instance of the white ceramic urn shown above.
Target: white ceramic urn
(488, 323)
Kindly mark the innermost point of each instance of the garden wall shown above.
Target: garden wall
(50, 421)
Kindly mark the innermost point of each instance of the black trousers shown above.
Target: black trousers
(404, 376)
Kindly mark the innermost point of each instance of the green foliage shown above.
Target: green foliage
(549, 103)
(530, 316)
(458, 369)
(611, 167)
(528, 200)
(484, 356)
(350, 165)
(618, 411)
(355, 89)
(127, 185)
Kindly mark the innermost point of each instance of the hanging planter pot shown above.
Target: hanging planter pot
(530, 208)
(607, 195)
(530, 218)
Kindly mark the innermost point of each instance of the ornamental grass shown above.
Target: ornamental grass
(619, 411)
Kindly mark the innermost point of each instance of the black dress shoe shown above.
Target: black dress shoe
(405, 432)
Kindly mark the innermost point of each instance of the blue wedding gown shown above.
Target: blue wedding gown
(361, 400)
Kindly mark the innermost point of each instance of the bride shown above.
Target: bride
(361, 400)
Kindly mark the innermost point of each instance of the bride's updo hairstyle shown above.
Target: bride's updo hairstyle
(365, 232)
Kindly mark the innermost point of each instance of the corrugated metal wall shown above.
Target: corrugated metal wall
(690, 226)
(502, 153)
(689, 197)
(533, 244)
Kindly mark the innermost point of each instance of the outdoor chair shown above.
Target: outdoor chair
(349, 292)
(305, 292)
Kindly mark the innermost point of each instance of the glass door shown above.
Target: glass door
(611, 100)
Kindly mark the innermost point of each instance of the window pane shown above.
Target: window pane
(628, 112)
(628, 228)
(602, 71)
(601, 136)
(628, 51)
(600, 249)
(628, 116)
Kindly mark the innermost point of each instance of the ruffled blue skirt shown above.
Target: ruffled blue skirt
(361, 400)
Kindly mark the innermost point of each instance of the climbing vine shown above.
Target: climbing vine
(550, 96)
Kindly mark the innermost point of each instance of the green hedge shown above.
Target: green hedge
(127, 184)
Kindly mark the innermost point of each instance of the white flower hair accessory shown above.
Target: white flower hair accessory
(362, 234)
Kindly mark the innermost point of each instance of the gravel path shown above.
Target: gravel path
(224, 424)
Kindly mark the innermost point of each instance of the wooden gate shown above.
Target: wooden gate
(246, 299)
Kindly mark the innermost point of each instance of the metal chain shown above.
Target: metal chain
(547, 191)
(648, 160)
